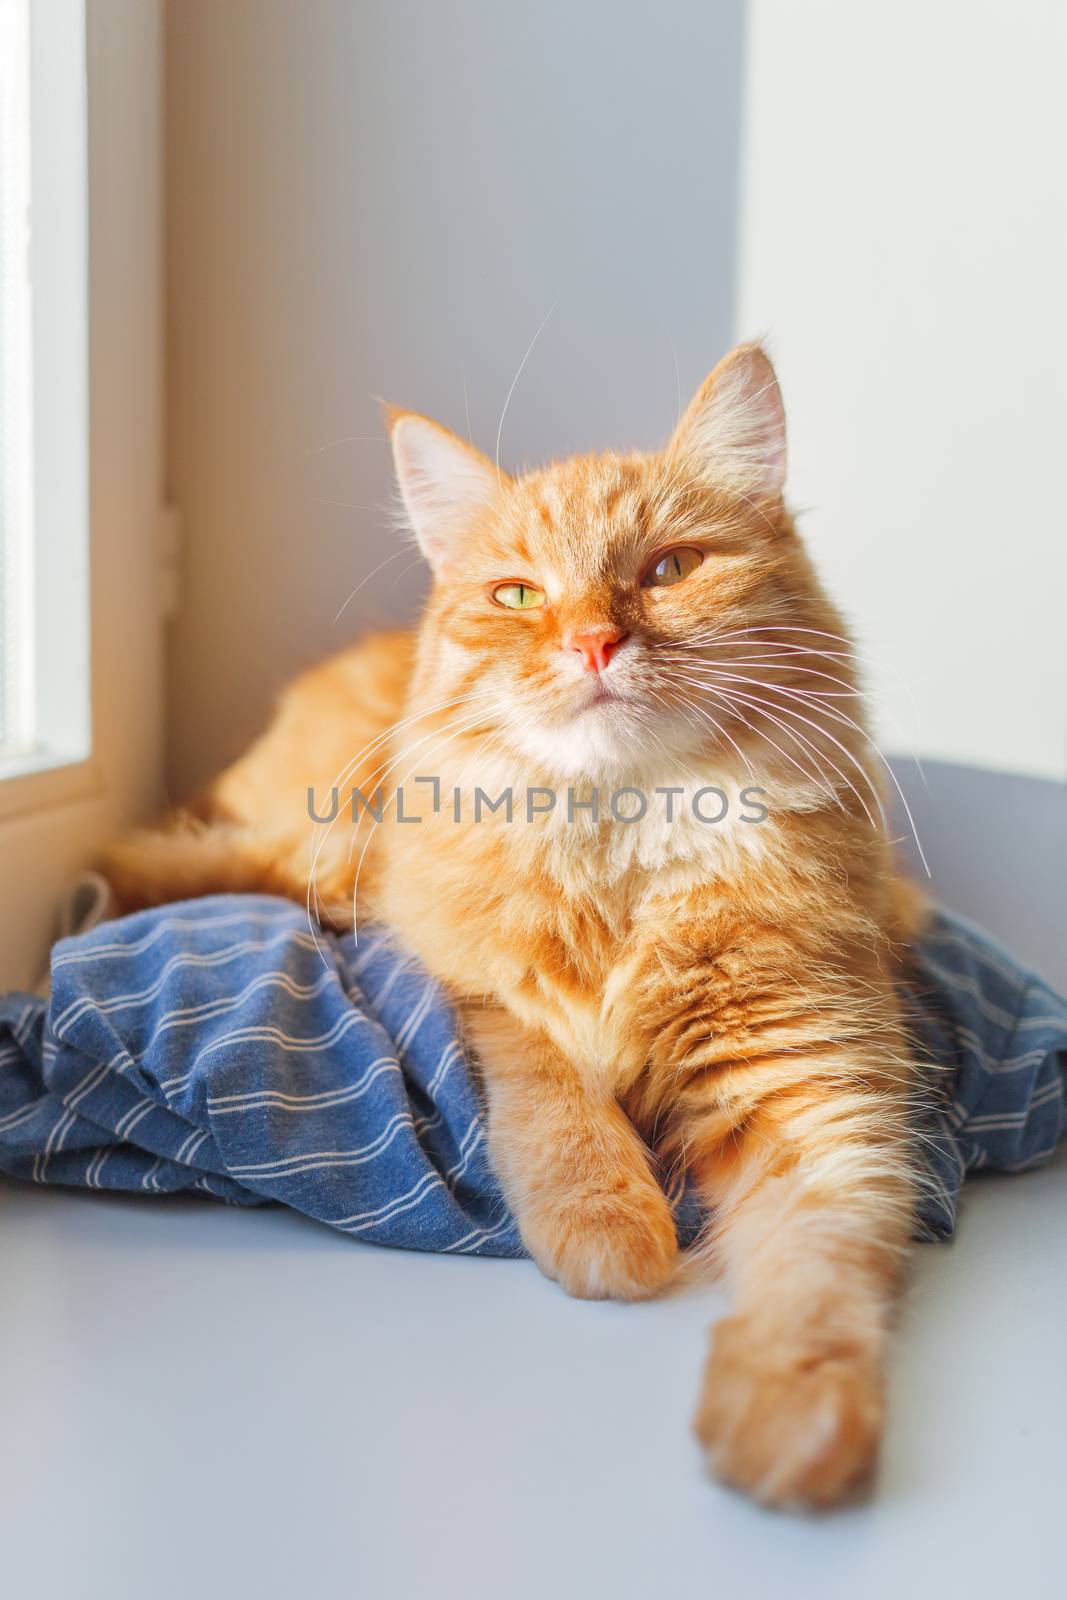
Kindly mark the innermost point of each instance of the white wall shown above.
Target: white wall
(385, 198)
(903, 244)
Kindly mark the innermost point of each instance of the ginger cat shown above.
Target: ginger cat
(643, 995)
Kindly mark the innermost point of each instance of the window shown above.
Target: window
(16, 393)
(44, 631)
(81, 123)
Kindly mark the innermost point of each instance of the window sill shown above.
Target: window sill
(37, 780)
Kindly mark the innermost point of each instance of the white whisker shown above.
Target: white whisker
(840, 716)
(464, 727)
(518, 375)
(319, 839)
(788, 711)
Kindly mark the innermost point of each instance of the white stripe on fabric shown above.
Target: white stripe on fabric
(224, 1104)
(407, 1033)
(1016, 980)
(19, 1028)
(375, 947)
(403, 964)
(188, 1148)
(96, 1167)
(15, 1119)
(214, 958)
(53, 1142)
(449, 1055)
(994, 1120)
(86, 1085)
(130, 1119)
(1034, 1160)
(479, 1236)
(121, 948)
(454, 1173)
(264, 1034)
(429, 1123)
(258, 1034)
(998, 1067)
(995, 1013)
(70, 1120)
(391, 1208)
(208, 1010)
(314, 1160)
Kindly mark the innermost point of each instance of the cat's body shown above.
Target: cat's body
(641, 994)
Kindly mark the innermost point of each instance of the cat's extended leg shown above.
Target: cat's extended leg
(574, 1169)
(814, 1209)
(814, 1217)
(781, 1072)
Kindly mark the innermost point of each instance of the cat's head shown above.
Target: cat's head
(592, 610)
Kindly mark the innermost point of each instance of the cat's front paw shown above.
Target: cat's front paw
(617, 1244)
(791, 1425)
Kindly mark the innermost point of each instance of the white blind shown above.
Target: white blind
(16, 384)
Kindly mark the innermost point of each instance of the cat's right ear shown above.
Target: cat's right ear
(733, 432)
(444, 483)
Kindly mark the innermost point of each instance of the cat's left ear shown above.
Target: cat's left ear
(733, 432)
(445, 484)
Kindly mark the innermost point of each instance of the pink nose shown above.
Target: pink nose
(596, 647)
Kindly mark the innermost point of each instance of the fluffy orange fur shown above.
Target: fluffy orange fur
(641, 996)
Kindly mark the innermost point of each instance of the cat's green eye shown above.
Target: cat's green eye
(518, 596)
(673, 566)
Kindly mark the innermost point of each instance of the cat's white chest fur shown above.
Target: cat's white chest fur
(706, 830)
(671, 829)
(702, 832)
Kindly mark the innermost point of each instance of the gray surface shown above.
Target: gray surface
(200, 1401)
(203, 1401)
